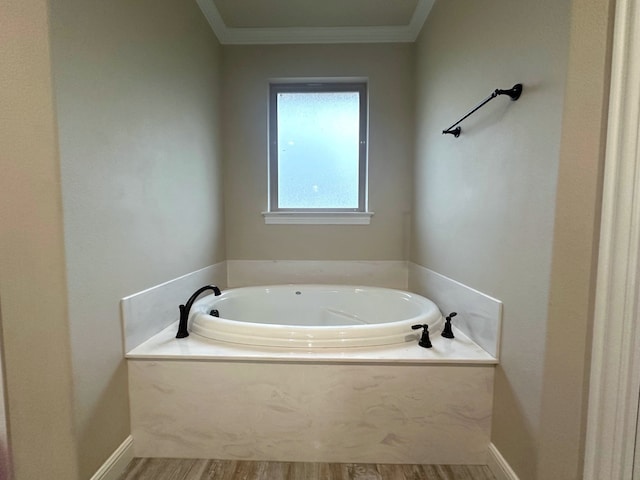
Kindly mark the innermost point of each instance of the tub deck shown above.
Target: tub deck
(460, 350)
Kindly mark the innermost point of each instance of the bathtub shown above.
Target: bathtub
(313, 316)
(233, 397)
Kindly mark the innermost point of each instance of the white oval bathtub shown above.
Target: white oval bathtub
(314, 316)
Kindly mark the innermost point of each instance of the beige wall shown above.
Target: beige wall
(32, 266)
(485, 203)
(136, 89)
(247, 70)
(575, 242)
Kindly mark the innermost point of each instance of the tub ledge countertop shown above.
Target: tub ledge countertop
(164, 346)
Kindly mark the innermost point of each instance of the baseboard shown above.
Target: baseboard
(115, 465)
(499, 466)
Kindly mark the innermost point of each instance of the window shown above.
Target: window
(317, 154)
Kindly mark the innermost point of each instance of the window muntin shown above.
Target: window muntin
(317, 158)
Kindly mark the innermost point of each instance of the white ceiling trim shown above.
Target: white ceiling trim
(420, 14)
(292, 35)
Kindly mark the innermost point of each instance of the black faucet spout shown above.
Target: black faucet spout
(185, 309)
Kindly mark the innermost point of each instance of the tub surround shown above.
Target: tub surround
(479, 315)
(146, 313)
(319, 412)
(201, 398)
(388, 274)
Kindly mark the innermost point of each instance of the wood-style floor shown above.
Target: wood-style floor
(188, 469)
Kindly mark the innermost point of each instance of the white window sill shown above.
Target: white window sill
(317, 218)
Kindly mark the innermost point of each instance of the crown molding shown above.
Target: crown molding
(420, 14)
(300, 35)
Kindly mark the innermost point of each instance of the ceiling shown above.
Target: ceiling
(311, 21)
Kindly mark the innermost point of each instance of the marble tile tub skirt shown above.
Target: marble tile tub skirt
(333, 412)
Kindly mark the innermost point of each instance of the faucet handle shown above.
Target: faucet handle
(446, 331)
(425, 341)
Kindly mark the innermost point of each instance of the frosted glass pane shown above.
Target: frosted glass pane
(318, 136)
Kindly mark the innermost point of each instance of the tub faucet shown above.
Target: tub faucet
(184, 309)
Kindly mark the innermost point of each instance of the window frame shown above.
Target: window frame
(317, 87)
